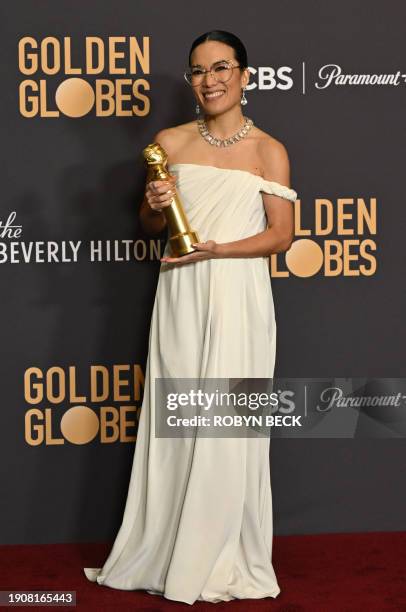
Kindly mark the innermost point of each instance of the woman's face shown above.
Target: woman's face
(229, 93)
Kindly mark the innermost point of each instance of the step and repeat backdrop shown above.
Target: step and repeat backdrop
(85, 86)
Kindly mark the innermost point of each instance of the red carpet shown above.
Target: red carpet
(316, 573)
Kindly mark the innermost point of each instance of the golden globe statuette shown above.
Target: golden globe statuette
(181, 236)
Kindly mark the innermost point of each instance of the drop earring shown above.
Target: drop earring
(197, 109)
(244, 100)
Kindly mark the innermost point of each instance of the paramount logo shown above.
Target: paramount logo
(332, 74)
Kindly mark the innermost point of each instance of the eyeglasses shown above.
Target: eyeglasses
(221, 72)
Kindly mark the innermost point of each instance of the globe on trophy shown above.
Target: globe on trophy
(181, 236)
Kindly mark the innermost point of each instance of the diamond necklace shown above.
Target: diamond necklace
(225, 142)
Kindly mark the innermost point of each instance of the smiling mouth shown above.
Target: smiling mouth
(213, 95)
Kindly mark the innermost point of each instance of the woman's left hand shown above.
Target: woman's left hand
(204, 250)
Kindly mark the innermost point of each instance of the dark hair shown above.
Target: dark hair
(227, 38)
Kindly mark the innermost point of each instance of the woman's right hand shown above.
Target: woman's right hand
(160, 193)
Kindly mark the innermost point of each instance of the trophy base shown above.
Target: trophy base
(181, 244)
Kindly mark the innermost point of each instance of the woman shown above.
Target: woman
(198, 518)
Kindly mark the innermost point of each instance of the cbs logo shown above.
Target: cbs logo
(266, 77)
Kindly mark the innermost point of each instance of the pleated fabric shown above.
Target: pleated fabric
(198, 522)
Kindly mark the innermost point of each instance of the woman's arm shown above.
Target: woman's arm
(279, 235)
(151, 222)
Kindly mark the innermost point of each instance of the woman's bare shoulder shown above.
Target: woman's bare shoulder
(270, 150)
(175, 137)
(272, 157)
(268, 144)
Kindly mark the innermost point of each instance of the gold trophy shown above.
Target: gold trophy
(181, 236)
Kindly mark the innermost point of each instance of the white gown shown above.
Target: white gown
(198, 522)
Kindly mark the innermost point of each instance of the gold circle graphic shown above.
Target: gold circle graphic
(79, 425)
(304, 258)
(74, 97)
